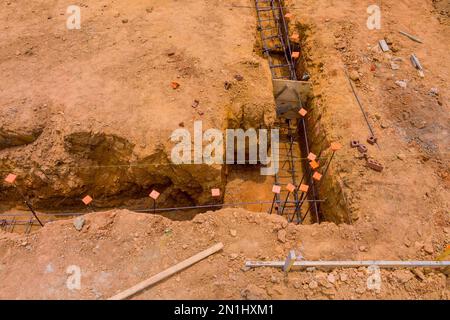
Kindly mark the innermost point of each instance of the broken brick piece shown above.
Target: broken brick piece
(290, 187)
(215, 192)
(375, 165)
(312, 156)
(154, 195)
(295, 55)
(87, 200)
(304, 188)
(276, 189)
(302, 112)
(317, 176)
(175, 85)
(10, 178)
(314, 165)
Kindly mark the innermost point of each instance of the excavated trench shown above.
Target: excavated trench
(104, 166)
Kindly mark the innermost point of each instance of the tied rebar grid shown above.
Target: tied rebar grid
(277, 49)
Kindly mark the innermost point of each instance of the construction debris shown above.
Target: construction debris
(401, 83)
(372, 140)
(384, 46)
(415, 62)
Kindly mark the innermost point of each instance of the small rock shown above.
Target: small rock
(278, 289)
(227, 85)
(282, 236)
(195, 103)
(252, 292)
(124, 20)
(394, 66)
(401, 156)
(384, 125)
(388, 40)
(311, 269)
(363, 249)
(343, 277)
(329, 292)
(238, 77)
(233, 256)
(78, 223)
(434, 91)
(24, 244)
(233, 233)
(49, 268)
(418, 245)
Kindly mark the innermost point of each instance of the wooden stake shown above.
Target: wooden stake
(167, 273)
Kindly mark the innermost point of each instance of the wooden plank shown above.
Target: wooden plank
(167, 273)
(351, 264)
